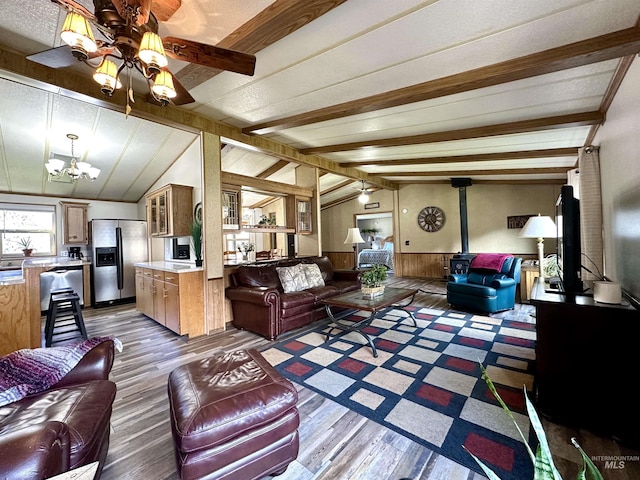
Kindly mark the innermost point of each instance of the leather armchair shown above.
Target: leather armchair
(485, 290)
(62, 428)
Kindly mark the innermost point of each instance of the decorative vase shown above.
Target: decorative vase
(245, 257)
(27, 252)
(372, 292)
(198, 262)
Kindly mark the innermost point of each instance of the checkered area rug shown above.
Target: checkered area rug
(426, 381)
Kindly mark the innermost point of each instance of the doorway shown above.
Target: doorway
(377, 231)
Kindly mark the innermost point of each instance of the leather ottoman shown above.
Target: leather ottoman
(232, 417)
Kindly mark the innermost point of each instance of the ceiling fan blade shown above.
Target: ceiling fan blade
(164, 9)
(61, 57)
(183, 96)
(58, 57)
(209, 56)
(71, 5)
(144, 6)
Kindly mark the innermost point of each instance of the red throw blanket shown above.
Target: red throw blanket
(33, 370)
(489, 261)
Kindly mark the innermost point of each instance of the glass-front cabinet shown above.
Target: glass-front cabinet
(170, 211)
(303, 215)
(231, 208)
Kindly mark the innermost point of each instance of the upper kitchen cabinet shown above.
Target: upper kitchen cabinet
(170, 211)
(231, 207)
(299, 214)
(74, 223)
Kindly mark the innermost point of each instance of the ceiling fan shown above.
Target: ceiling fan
(364, 194)
(130, 30)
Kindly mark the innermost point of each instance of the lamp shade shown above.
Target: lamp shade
(163, 86)
(539, 227)
(353, 236)
(151, 51)
(76, 33)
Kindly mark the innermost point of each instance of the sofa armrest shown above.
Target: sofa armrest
(37, 452)
(457, 277)
(95, 365)
(347, 275)
(498, 283)
(256, 295)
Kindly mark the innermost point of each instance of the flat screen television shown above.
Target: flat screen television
(568, 241)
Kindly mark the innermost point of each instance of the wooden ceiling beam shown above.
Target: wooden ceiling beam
(338, 186)
(482, 157)
(275, 22)
(585, 52)
(467, 173)
(279, 165)
(506, 181)
(533, 125)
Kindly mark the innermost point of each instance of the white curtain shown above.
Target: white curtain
(589, 193)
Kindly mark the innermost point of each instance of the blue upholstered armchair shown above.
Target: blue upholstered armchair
(488, 286)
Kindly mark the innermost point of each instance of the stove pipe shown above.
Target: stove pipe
(461, 184)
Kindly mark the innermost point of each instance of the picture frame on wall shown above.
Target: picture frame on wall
(517, 221)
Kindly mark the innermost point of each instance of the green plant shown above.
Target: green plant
(24, 242)
(374, 276)
(265, 220)
(543, 466)
(246, 247)
(196, 238)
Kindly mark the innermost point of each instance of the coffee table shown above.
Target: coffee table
(358, 301)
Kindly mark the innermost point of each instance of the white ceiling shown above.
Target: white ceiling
(359, 49)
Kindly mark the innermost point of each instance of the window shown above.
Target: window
(22, 223)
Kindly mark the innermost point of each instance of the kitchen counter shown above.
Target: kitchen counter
(173, 267)
(52, 262)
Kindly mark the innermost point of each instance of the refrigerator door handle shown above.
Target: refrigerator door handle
(119, 259)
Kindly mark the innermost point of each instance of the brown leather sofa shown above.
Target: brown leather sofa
(260, 305)
(64, 427)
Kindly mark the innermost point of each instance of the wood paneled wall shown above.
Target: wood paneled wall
(424, 265)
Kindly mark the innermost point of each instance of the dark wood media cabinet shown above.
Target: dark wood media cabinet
(587, 363)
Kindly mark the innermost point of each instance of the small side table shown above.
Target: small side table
(527, 275)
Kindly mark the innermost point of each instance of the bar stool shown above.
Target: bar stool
(64, 309)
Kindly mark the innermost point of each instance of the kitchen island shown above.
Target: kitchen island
(20, 314)
(172, 294)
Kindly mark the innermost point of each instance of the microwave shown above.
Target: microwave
(180, 251)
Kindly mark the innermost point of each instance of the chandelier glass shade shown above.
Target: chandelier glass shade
(149, 59)
(75, 171)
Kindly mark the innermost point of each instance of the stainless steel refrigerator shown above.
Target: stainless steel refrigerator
(115, 245)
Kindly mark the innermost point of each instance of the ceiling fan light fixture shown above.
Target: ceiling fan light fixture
(76, 32)
(163, 89)
(107, 77)
(363, 197)
(151, 52)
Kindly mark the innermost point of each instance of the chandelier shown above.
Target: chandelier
(75, 171)
(134, 50)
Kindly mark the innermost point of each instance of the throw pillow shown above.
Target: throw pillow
(293, 279)
(313, 274)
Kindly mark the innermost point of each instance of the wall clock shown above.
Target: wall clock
(431, 219)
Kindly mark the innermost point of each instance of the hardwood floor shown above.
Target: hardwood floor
(335, 443)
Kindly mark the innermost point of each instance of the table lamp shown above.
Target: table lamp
(539, 227)
(354, 237)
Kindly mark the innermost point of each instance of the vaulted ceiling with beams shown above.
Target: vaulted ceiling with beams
(389, 92)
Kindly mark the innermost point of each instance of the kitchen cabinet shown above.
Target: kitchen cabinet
(299, 214)
(231, 208)
(144, 291)
(74, 223)
(172, 299)
(170, 211)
